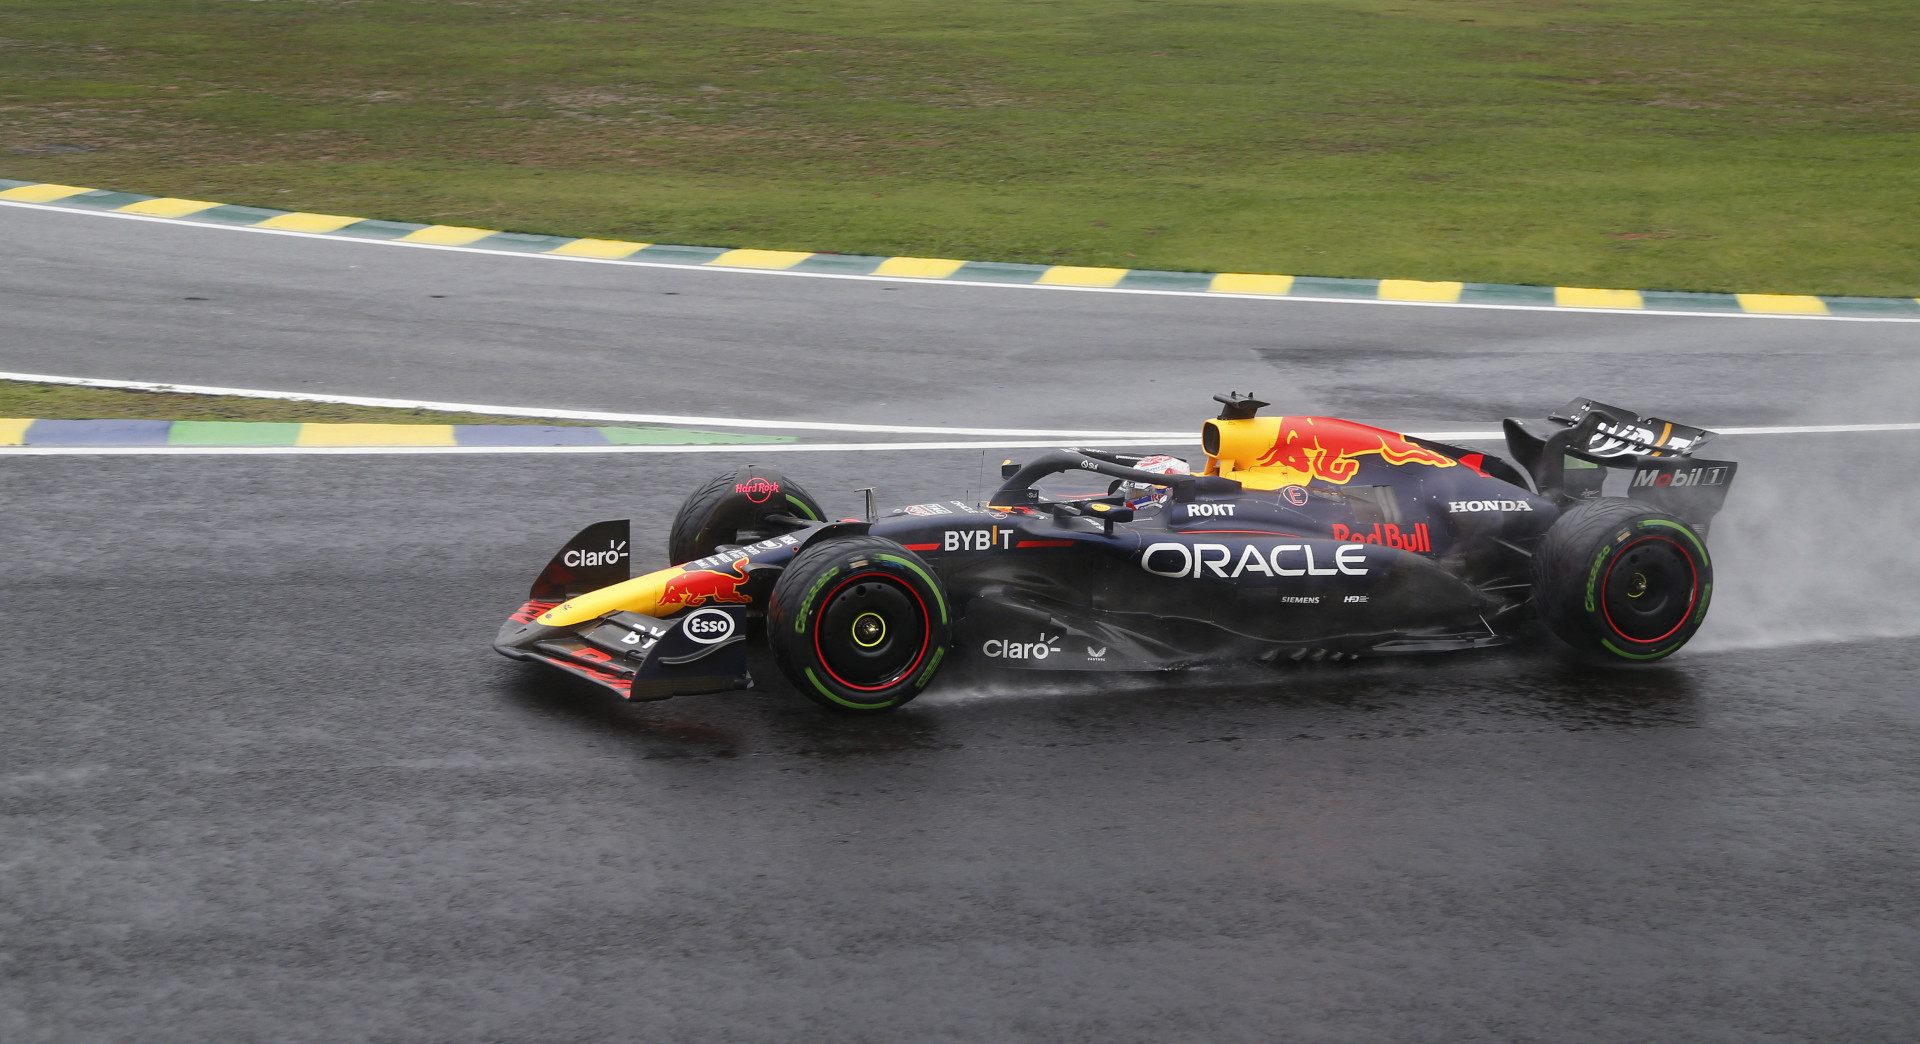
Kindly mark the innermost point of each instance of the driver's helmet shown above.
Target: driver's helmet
(1141, 495)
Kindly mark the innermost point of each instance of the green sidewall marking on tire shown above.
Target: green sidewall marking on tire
(1706, 590)
(1593, 575)
(938, 598)
(829, 694)
(1617, 651)
(927, 675)
(1688, 532)
(802, 507)
(806, 604)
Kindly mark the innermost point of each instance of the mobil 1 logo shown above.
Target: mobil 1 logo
(1692, 488)
(1661, 475)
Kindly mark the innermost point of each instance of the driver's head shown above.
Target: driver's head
(1143, 495)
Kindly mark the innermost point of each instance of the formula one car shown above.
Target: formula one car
(1301, 538)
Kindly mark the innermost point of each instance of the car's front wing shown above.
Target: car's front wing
(638, 657)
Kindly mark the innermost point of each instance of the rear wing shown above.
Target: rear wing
(1567, 455)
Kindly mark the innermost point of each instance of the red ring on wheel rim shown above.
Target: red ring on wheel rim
(926, 633)
(1693, 591)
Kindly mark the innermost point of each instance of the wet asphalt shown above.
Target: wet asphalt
(261, 777)
(100, 297)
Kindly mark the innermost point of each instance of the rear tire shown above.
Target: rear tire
(725, 511)
(1622, 583)
(859, 625)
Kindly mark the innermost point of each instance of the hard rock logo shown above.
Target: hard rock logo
(758, 490)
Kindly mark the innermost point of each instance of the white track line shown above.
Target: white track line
(1022, 438)
(903, 280)
(771, 447)
(410, 451)
(1817, 429)
(1801, 429)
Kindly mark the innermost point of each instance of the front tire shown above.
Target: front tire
(859, 625)
(1622, 583)
(732, 509)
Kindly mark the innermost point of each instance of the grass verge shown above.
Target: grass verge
(67, 402)
(1768, 146)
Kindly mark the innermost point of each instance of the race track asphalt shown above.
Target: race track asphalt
(92, 296)
(262, 779)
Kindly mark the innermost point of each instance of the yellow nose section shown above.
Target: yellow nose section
(638, 595)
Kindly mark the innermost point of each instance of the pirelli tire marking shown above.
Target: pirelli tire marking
(868, 623)
(1639, 588)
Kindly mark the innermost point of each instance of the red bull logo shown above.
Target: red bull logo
(758, 490)
(1388, 535)
(695, 587)
(1327, 449)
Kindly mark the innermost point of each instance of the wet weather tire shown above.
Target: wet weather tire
(859, 624)
(733, 509)
(1623, 583)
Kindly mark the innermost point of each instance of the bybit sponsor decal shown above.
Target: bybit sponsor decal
(1197, 560)
(1387, 534)
(611, 556)
(1007, 649)
(977, 539)
(640, 634)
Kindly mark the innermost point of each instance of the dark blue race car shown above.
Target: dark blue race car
(1299, 538)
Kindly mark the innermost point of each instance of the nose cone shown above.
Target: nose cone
(639, 595)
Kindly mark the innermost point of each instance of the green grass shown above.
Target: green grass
(23, 399)
(1768, 145)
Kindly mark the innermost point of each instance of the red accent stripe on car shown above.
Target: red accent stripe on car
(921, 547)
(1044, 543)
(527, 612)
(1246, 532)
(620, 683)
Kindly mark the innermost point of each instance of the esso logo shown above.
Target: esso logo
(707, 626)
(1295, 495)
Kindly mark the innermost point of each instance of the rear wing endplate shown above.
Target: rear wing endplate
(1566, 455)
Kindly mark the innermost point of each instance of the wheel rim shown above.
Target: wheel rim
(1649, 590)
(871, 632)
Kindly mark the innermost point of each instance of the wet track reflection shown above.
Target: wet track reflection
(1495, 692)
(263, 778)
